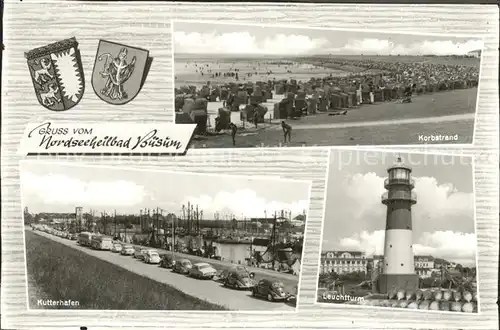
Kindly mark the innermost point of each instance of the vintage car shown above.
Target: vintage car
(127, 250)
(145, 253)
(240, 279)
(152, 257)
(139, 253)
(116, 248)
(222, 275)
(182, 266)
(167, 260)
(272, 290)
(202, 270)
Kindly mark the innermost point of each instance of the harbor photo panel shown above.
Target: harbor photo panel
(201, 242)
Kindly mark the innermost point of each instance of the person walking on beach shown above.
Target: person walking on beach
(287, 131)
(234, 130)
(256, 118)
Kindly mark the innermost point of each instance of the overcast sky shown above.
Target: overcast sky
(443, 218)
(55, 187)
(211, 38)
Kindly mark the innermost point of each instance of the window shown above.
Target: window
(401, 264)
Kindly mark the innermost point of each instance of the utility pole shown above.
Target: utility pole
(125, 230)
(274, 240)
(192, 219)
(201, 216)
(115, 221)
(140, 221)
(189, 218)
(157, 223)
(152, 231)
(183, 215)
(197, 221)
(173, 236)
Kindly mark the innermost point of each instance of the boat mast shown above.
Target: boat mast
(273, 239)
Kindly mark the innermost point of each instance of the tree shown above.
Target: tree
(466, 271)
(28, 218)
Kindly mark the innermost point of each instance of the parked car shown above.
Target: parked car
(240, 279)
(146, 251)
(117, 248)
(222, 275)
(182, 266)
(139, 253)
(73, 237)
(202, 270)
(272, 290)
(127, 250)
(152, 257)
(167, 260)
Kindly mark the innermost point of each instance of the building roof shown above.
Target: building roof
(339, 253)
(431, 258)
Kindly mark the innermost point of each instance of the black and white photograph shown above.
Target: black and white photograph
(399, 232)
(270, 86)
(111, 238)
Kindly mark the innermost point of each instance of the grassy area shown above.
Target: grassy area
(63, 273)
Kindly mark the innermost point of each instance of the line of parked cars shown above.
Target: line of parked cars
(55, 232)
(237, 277)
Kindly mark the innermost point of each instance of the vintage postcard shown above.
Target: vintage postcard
(265, 86)
(129, 239)
(399, 232)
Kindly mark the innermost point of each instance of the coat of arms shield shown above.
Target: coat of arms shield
(57, 74)
(119, 72)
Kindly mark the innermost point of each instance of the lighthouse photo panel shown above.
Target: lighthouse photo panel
(111, 238)
(399, 232)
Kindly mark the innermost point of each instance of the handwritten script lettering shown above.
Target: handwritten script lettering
(71, 137)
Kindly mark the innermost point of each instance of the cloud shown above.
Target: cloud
(449, 245)
(245, 43)
(427, 47)
(64, 190)
(439, 206)
(243, 202)
(442, 219)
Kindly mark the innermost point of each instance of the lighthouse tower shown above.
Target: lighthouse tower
(398, 268)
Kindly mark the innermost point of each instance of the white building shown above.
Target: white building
(297, 223)
(343, 262)
(424, 265)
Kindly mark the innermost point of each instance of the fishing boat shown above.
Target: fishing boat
(234, 240)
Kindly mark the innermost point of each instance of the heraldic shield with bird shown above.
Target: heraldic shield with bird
(118, 72)
(57, 74)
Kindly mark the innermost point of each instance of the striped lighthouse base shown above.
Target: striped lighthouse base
(388, 282)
